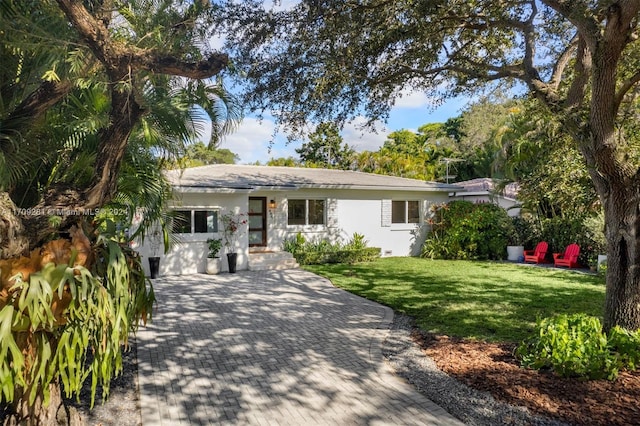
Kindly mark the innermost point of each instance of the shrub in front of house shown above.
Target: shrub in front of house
(464, 230)
(323, 251)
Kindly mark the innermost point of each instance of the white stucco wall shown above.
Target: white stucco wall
(347, 212)
(189, 255)
(351, 211)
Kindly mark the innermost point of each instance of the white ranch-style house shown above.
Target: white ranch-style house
(279, 202)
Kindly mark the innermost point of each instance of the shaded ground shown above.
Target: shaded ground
(492, 368)
(122, 408)
(488, 367)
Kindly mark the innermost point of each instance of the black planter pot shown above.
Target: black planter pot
(154, 266)
(232, 259)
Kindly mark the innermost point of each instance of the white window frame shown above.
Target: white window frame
(406, 212)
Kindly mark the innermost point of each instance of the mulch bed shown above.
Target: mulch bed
(491, 367)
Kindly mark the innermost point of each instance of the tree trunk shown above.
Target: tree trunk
(56, 413)
(12, 233)
(622, 218)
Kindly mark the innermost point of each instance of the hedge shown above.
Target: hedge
(338, 256)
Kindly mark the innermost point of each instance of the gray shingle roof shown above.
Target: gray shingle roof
(242, 177)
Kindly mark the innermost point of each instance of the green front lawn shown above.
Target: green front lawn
(479, 300)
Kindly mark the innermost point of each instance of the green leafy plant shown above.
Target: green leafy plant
(626, 344)
(295, 244)
(322, 251)
(521, 232)
(603, 268)
(585, 230)
(463, 230)
(357, 242)
(576, 346)
(64, 301)
(214, 245)
(436, 246)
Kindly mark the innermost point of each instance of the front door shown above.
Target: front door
(257, 221)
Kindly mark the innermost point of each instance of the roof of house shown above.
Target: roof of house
(227, 177)
(488, 185)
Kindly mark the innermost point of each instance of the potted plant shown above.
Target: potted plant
(232, 225)
(155, 240)
(213, 258)
(516, 237)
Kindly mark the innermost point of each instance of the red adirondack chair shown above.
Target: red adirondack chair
(538, 254)
(569, 258)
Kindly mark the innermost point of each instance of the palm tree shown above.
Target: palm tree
(93, 133)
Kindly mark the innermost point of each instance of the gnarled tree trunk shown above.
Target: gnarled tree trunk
(39, 414)
(13, 241)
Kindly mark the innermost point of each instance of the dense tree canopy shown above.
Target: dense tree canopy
(199, 154)
(414, 155)
(326, 148)
(318, 61)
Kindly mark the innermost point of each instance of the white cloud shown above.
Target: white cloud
(216, 43)
(252, 141)
(364, 139)
(411, 99)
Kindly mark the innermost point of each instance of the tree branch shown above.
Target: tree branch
(40, 100)
(587, 27)
(165, 64)
(582, 68)
(121, 61)
(562, 62)
(34, 105)
(625, 87)
(125, 113)
(117, 56)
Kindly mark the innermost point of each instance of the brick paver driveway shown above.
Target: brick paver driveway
(272, 347)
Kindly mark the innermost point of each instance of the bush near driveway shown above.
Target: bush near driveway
(348, 256)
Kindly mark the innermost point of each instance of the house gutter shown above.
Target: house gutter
(249, 189)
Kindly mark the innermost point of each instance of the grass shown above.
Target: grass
(478, 300)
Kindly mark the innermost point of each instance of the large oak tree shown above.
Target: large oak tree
(335, 59)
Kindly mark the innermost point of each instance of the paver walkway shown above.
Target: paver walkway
(270, 348)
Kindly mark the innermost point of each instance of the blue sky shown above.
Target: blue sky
(251, 140)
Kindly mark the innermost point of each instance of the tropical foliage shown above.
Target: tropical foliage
(315, 252)
(326, 148)
(124, 120)
(576, 346)
(72, 297)
(95, 97)
(415, 155)
(198, 154)
(463, 230)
